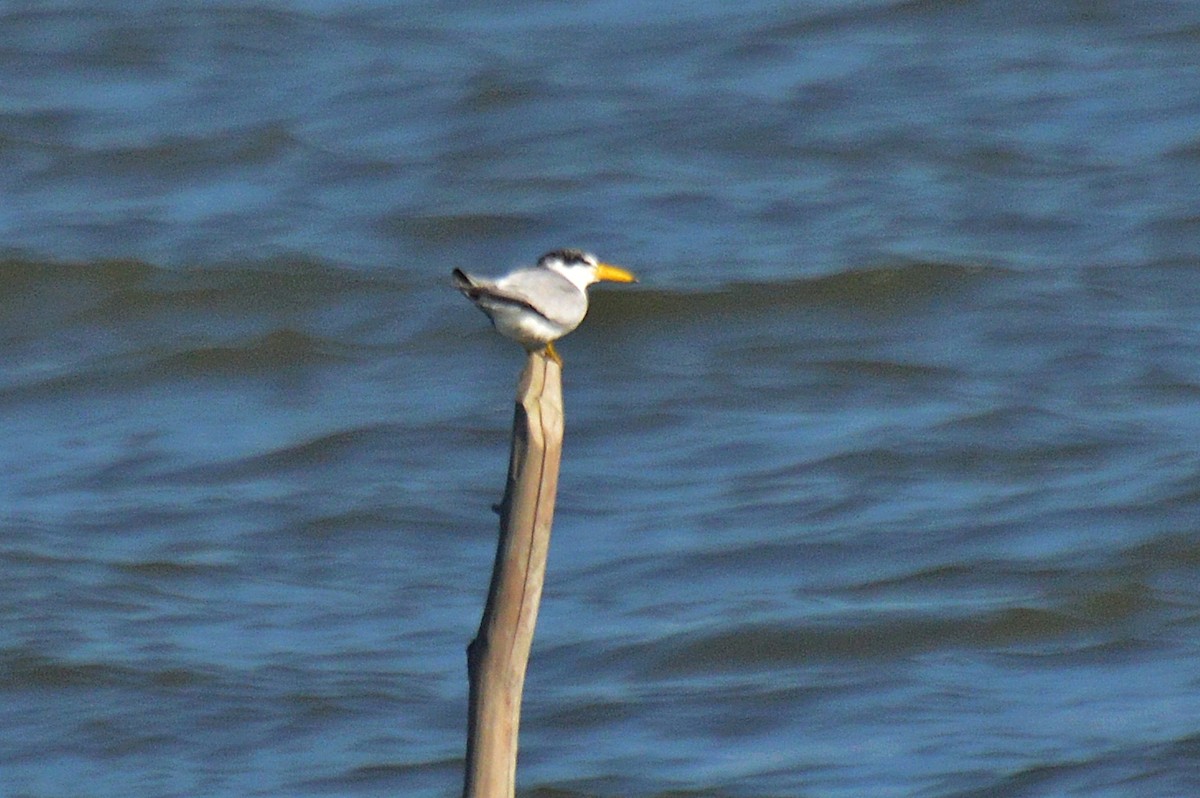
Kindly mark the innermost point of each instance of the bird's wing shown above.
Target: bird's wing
(547, 292)
(544, 292)
(486, 293)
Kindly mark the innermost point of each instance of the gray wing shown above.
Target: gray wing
(539, 290)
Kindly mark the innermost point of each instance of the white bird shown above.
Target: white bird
(537, 305)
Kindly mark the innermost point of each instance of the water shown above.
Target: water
(883, 482)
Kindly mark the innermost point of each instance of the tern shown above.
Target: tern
(537, 305)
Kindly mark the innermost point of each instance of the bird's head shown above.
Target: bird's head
(582, 268)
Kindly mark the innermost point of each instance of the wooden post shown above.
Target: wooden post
(497, 657)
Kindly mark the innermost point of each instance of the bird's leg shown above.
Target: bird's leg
(553, 355)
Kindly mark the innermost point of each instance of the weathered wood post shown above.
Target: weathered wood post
(497, 657)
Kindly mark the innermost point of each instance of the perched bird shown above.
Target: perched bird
(537, 305)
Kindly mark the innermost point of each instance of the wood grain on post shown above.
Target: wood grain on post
(497, 657)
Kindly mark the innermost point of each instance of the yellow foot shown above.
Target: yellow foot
(553, 355)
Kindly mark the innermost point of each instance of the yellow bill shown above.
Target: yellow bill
(613, 274)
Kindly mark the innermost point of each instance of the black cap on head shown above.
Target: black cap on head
(570, 257)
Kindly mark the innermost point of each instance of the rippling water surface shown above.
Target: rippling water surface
(883, 482)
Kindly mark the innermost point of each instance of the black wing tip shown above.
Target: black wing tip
(461, 281)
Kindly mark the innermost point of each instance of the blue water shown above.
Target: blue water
(883, 481)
